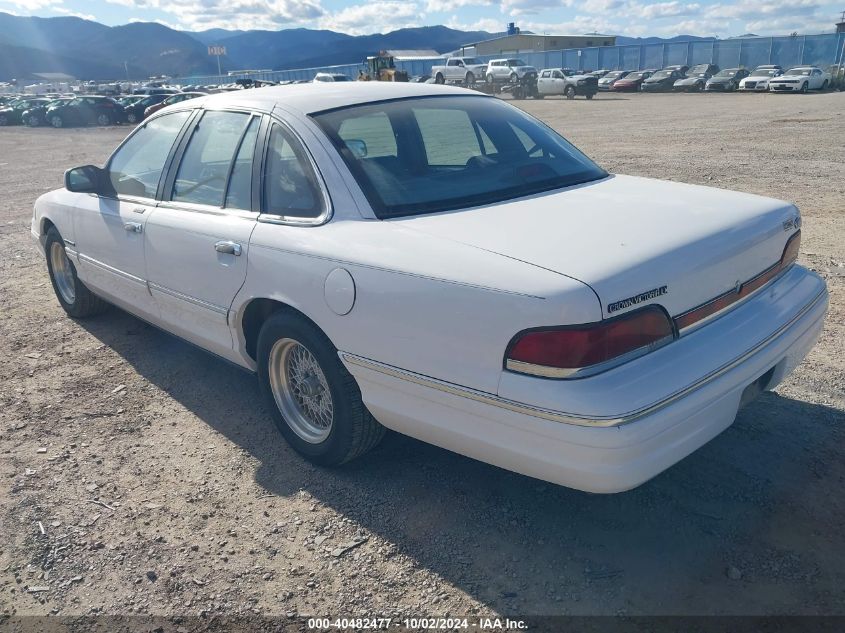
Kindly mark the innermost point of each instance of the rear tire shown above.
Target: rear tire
(33, 121)
(73, 295)
(315, 402)
(824, 85)
(3, 120)
(132, 117)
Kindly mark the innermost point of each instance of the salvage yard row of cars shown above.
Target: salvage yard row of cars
(708, 77)
(63, 111)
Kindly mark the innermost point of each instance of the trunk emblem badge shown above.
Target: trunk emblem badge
(640, 298)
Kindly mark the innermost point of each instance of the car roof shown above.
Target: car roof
(316, 97)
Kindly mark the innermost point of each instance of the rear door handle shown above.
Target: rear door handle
(133, 227)
(230, 248)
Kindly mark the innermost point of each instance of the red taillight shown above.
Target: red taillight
(790, 254)
(576, 350)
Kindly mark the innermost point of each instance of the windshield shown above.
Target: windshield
(634, 76)
(764, 72)
(798, 72)
(614, 74)
(431, 154)
(662, 74)
(698, 71)
(727, 73)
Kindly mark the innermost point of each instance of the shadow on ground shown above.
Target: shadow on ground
(762, 497)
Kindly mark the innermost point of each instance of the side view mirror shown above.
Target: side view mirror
(85, 179)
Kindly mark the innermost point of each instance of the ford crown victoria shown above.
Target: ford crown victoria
(435, 261)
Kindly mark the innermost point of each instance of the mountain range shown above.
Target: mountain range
(138, 50)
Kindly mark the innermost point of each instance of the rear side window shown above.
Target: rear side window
(239, 194)
(290, 185)
(136, 167)
(204, 170)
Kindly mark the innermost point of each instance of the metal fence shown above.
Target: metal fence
(818, 50)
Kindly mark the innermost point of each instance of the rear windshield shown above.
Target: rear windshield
(424, 155)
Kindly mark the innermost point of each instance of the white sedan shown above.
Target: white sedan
(758, 80)
(800, 79)
(435, 261)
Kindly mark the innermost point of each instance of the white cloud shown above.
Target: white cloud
(232, 14)
(443, 6)
(33, 5)
(375, 17)
(75, 14)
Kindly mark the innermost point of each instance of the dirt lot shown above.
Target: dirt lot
(139, 475)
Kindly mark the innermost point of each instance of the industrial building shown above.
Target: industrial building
(516, 41)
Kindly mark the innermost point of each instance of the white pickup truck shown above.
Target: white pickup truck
(465, 70)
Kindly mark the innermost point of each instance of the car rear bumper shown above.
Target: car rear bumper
(538, 442)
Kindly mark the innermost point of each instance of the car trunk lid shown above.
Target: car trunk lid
(635, 241)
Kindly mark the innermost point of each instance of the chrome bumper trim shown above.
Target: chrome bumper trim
(569, 418)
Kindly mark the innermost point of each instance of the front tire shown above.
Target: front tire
(132, 117)
(33, 121)
(439, 79)
(56, 121)
(590, 96)
(103, 120)
(3, 120)
(824, 85)
(569, 93)
(469, 80)
(73, 295)
(315, 402)
(805, 88)
(489, 79)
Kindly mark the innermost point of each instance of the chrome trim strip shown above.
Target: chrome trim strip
(111, 269)
(728, 308)
(570, 418)
(198, 302)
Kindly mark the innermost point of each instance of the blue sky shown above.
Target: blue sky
(623, 17)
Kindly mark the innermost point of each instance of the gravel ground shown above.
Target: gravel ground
(140, 475)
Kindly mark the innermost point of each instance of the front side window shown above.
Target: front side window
(204, 170)
(450, 153)
(290, 185)
(136, 167)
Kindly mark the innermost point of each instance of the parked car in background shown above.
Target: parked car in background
(800, 79)
(555, 81)
(177, 98)
(682, 68)
(696, 78)
(632, 82)
(661, 81)
(507, 70)
(331, 77)
(758, 79)
(87, 110)
(598, 73)
(134, 112)
(726, 80)
(464, 70)
(129, 99)
(607, 81)
(12, 113)
(594, 358)
(37, 115)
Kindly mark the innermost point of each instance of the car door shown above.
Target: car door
(198, 237)
(544, 81)
(815, 79)
(558, 83)
(109, 228)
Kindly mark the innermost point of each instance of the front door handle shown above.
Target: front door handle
(230, 248)
(133, 227)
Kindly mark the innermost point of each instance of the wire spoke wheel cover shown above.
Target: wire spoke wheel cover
(301, 390)
(62, 272)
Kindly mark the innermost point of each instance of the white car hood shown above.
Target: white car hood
(625, 235)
